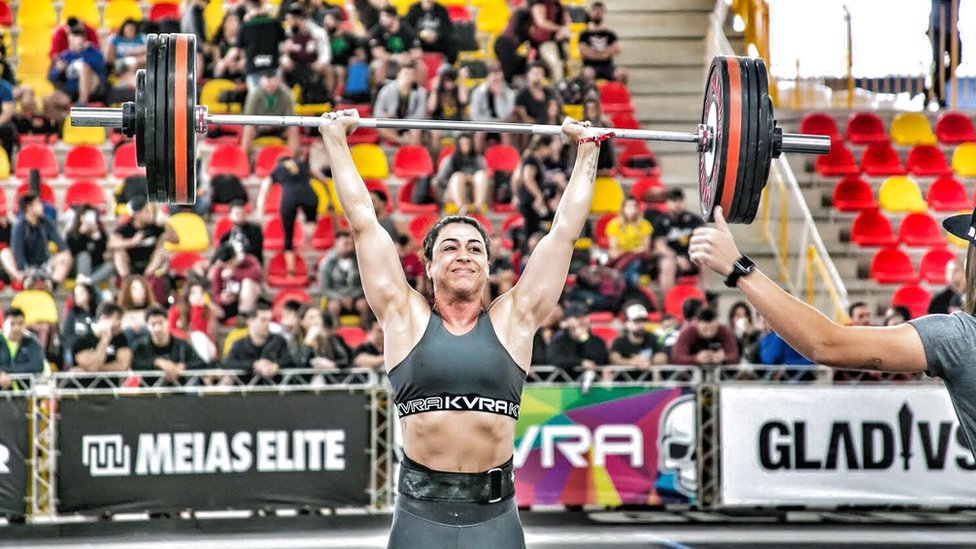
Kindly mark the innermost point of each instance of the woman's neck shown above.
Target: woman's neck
(458, 312)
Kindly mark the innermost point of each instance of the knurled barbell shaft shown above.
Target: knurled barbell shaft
(112, 118)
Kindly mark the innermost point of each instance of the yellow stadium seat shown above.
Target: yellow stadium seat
(213, 16)
(38, 306)
(324, 199)
(901, 194)
(35, 38)
(492, 17)
(370, 161)
(964, 160)
(75, 135)
(332, 197)
(234, 335)
(402, 6)
(117, 11)
(210, 96)
(268, 141)
(4, 164)
(911, 128)
(36, 13)
(86, 10)
(33, 63)
(192, 232)
(573, 111)
(608, 197)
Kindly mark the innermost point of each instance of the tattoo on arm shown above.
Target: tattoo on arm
(873, 364)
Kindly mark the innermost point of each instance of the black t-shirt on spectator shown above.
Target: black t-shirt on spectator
(568, 353)
(394, 42)
(537, 110)
(251, 235)
(676, 231)
(366, 348)
(436, 20)
(344, 46)
(599, 41)
(145, 352)
(548, 190)
(260, 36)
(89, 342)
(140, 254)
(628, 349)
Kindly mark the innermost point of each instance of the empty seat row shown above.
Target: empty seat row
(881, 159)
(871, 228)
(894, 266)
(901, 194)
(907, 128)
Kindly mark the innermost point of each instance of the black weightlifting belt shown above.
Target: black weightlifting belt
(492, 486)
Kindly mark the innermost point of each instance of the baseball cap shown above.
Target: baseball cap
(574, 310)
(636, 313)
(138, 203)
(961, 226)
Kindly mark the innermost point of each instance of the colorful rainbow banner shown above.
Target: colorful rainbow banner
(612, 446)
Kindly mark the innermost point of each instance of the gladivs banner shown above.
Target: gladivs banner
(611, 446)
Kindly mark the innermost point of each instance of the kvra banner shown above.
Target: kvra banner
(214, 452)
(13, 452)
(612, 446)
(842, 446)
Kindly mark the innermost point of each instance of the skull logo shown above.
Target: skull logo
(678, 444)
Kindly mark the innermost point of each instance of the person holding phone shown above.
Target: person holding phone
(705, 342)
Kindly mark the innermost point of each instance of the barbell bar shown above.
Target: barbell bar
(736, 139)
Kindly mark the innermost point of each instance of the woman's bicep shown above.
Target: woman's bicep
(380, 271)
(888, 349)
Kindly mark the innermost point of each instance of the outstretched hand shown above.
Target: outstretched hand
(714, 247)
(573, 130)
(339, 124)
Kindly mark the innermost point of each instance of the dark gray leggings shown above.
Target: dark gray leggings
(454, 525)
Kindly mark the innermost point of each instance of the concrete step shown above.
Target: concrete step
(641, 23)
(667, 52)
(679, 107)
(660, 5)
(689, 79)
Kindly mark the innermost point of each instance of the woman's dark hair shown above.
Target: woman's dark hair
(735, 307)
(74, 220)
(458, 155)
(92, 297)
(969, 298)
(126, 23)
(183, 304)
(125, 293)
(435, 231)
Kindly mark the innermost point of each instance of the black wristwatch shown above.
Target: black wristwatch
(741, 267)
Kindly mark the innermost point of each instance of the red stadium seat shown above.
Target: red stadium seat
(600, 317)
(85, 192)
(915, 297)
(272, 200)
(354, 336)
(954, 128)
(485, 222)
(267, 159)
(288, 294)
(928, 160)
(404, 204)
(615, 98)
(85, 161)
(164, 10)
(324, 236)
(932, 268)
(379, 186)
(278, 276)
(124, 162)
(274, 235)
(641, 187)
(39, 157)
(458, 13)
(363, 135)
(181, 262)
(47, 193)
(625, 121)
(432, 62)
(864, 128)
(223, 226)
(853, 194)
(600, 230)
(420, 224)
(677, 295)
(412, 161)
(229, 159)
(606, 333)
(872, 228)
(445, 152)
(501, 158)
(946, 194)
(636, 160)
(6, 15)
(892, 266)
(839, 161)
(819, 123)
(3, 212)
(881, 159)
(920, 229)
(512, 222)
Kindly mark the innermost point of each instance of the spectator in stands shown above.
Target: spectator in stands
(672, 230)
(105, 348)
(346, 47)
(59, 40)
(367, 12)
(6, 66)
(369, 353)
(28, 258)
(598, 46)
(78, 73)
(87, 241)
(943, 23)
(492, 101)
(79, 318)
(667, 332)
(235, 279)
(126, 49)
(20, 352)
(629, 240)
(157, 349)
(533, 191)
(593, 112)
(434, 28)
(296, 195)
(192, 20)
(507, 44)
(307, 53)
(260, 351)
(401, 98)
(138, 244)
(259, 41)
(194, 318)
(543, 336)
(897, 314)
(248, 233)
(636, 346)
(771, 350)
(223, 61)
(394, 40)
(548, 34)
(743, 326)
(463, 171)
(339, 277)
(447, 98)
(956, 285)
(501, 271)
(860, 314)
(705, 342)
(575, 348)
(532, 103)
(381, 204)
(598, 288)
(270, 98)
(320, 348)
(135, 298)
(33, 116)
(8, 125)
(289, 325)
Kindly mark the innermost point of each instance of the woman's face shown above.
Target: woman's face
(231, 26)
(312, 318)
(82, 299)
(129, 30)
(196, 295)
(464, 145)
(138, 293)
(740, 312)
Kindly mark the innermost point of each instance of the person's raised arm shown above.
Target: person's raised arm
(813, 335)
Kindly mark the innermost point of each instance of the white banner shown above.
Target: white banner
(823, 445)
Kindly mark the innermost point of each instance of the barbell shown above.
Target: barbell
(736, 140)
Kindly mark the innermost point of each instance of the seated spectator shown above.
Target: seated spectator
(79, 318)
(8, 125)
(235, 280)
(598, 288)
(259, 352)
(289, 325)
(222, 60)
(743, 326)
(575, 348)
(137, 246)
(534, 191)
(508, 43)
(705, 342)
(772, 350)
(533, 102)
(270, 98)
(369, 353)
(33, 116)
(955, 285)
(87, 241)
(897, 314)
(307, 53)
(248, 233)
(667, 332)
(629, 237)
(860, 314)
(135, 298)
(339, 277)
(319, 347)
(28, 258)
(461, 173)
(501, 271)
(346, 48)
(157, 349)
(593, 112)
(447, 99)
(543, 336)
(548, 34)
(259, 43)
(194, 318)
(672, 231)
(296, 195)
(126, 51)
(20, 352)
(6, 65)
(492, 101)
(636, 346)
(434, 28)
(411, 263)
(104, 348)
(60, 40)
(192, 19)
(381, 204)
(78, 73)
(394, 40)
(598, 46)
(401, 98)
